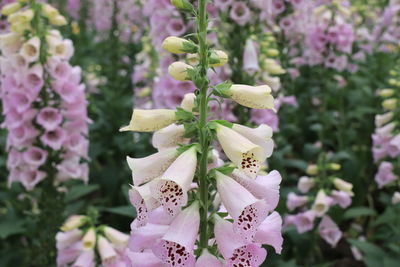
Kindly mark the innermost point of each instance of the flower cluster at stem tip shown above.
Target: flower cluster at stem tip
(192, 209)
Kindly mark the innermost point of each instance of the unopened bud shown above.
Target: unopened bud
(386, 92)
(312, 169)
(73, 222)
(188, 102)
(179, 71)
(178, 45)
(272, 52)
(343, 186)
(58, 20)
(334, 166)
(218, 58)
(390, 104)
(49, 11)
(183, 5)
(10, 9)
(89, 239)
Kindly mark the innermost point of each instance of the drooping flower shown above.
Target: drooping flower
(171, 188)
(241, 151)
(143, 201)
(329, 231)
(233, 248)
(170, 136)
(176, 246)
(206, 259)
(321, 203)
(147, 168)
(247, 211)
(258, 97)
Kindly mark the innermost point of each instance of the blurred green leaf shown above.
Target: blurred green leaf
(81, 190)
(128, 211)
(358, 212)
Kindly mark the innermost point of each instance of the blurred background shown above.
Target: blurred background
(328, 62)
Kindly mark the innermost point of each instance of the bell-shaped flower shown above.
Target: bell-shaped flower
(258, 97)
(179, 71)
(343, 186)
(263, 187)
(305, 184)
(207, 259)
(303, 221)
(66, 239)
(234, 249)
(170, 136)
(171, 188)
(295, 201)
(147, 236)
(250, 58)
(176, 246)
(116, 237)
(178, 45)
(141, 198)
(381, 120)
(240, 150)
(147, 168)
(261, 136)
(73, 222)
(340, 198)
(321, 203)
(10, 8)
(143, 259)
(247, 211)
(89, 239)
(106, 251)
(85, 259)
(31, 49)
(329, 231)
(270, 232)
(273, 67)
(396, 198)
(150, 120)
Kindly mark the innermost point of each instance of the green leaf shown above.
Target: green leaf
(11, 225)
(358, 212)
(183, 115)
(79, 191)
(127, 211)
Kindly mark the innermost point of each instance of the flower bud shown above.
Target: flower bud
(188, 102)
(178, 71)
(396, 198)
(20, 27)
(106, 251)
(258, 97)
(272, 52)
(390, 104)
(73, 222)
(116, 237)
(183, 5)
(218, 58)
(89, 239)
(178, 45)
(10, 9)
(305, 184)
(49, 11)
(312, 169)
(21, 17)
(150, 120)
(381, 120)
(334, 166)
(272, 67)
(58, 20)
(192, 59)
(392, 81)
(321, 203)
(386, 92)
(343, 186)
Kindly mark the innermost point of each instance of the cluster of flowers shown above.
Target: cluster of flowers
(80, 236)
(43, 101)
(322, 192)
(167, 185)
(386, 138)
(128, 15)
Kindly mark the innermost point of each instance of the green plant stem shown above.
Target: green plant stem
(203, 109)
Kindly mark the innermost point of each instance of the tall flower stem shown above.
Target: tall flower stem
(203, 109)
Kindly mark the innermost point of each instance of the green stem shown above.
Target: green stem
(203, 109)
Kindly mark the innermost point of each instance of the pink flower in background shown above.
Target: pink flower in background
(329, 231)
(385, 174)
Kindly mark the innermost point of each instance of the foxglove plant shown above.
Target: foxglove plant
(43, 100)
(319, 192)
(181, 193)
(81, 237)
(44, 106)
(386, 138)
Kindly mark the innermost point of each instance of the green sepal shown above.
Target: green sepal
(183, 148)
(183, 115)
(189, 47)
(213, 124)
(183, 5)
(222, 89)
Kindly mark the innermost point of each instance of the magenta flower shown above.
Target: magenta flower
(49, 118)
(385, 174)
